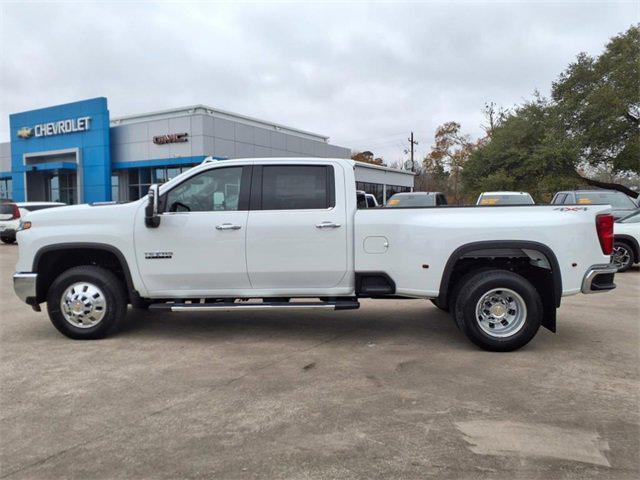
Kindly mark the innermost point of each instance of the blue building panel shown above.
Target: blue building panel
(80, 125)
(72, 151)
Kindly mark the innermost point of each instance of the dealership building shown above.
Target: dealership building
(76, 153)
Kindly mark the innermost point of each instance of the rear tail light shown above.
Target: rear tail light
(604, 227)
(16, 212)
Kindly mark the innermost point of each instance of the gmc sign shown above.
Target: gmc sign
(170, 138)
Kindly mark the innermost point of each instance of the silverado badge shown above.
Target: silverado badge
(157, 255)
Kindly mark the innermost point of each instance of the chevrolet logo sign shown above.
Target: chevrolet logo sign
(25, 132)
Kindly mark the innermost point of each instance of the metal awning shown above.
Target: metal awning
(39, 167)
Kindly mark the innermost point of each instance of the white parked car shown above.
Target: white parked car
(12, 212)
(626, 249)
(505, 198)
(366, 200)
(286, 233)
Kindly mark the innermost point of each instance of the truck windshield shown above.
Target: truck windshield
(615, 199)
(506, 200)
(411, 201)
(632, 218)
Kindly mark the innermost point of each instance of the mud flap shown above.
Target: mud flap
(549, 316)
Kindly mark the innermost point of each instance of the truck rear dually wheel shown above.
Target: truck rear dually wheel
(498, 310)
(86, 302)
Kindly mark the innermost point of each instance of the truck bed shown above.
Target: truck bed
(412, 245)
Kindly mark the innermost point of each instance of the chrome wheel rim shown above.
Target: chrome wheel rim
(83, 305)
(621, 256)
(501, 312)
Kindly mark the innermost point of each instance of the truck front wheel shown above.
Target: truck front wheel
(498, 310)
(86, 302)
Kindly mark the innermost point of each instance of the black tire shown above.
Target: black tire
(8, 240)
(627, 257)
(115, 302)
(457, 286)
(474, 286)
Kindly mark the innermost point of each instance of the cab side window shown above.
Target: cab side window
(217, 189)
(297, 187)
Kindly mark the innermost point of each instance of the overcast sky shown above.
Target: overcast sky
(363, 73)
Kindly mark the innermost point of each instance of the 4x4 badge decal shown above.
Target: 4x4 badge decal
(571, 209)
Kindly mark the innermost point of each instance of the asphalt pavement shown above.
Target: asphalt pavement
(392, 390)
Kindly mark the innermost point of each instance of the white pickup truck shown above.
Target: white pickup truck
(286, 233)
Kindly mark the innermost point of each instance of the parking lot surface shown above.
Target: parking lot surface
(392, 390)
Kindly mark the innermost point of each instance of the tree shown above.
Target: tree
(367, 157)
(587, 133)
(593, 99)
(447, 158)
(523, 153)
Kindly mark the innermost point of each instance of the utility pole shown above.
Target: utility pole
(412, 142)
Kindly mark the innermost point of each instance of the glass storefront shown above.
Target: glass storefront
(62, 187)
(393, 189)
(5, 188)
(138, 180)
(377, 190)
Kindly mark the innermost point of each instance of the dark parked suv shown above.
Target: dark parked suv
(621, 204)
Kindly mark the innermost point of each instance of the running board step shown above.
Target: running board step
(234, 306)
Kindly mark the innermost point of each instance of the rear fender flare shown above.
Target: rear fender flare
(485, 248)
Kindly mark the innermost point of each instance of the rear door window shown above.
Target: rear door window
(297, 187)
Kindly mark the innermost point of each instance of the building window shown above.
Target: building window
(375, 189)
(393, 189)
(115, 185)
(140, 179)
(6, 189)
(62, 188)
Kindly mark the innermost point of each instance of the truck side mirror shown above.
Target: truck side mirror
(151, 214)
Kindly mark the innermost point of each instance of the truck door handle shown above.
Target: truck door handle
(327, 225)
(228, 226)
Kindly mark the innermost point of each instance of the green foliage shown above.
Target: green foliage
(524, 153)
(592, 99)
(540, 146)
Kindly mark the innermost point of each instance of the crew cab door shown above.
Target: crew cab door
(296, 230)
(199, 247)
